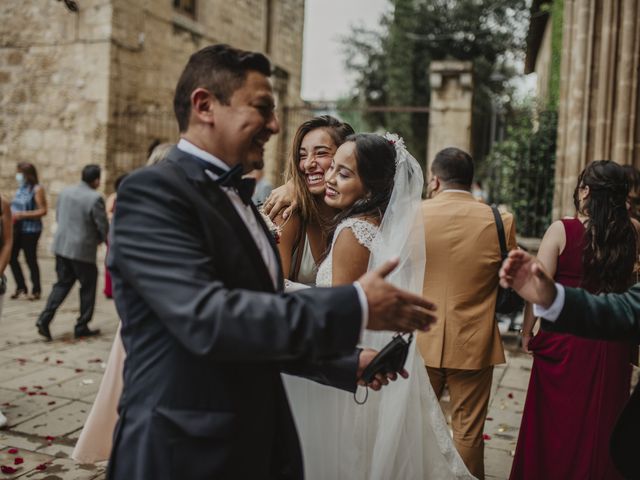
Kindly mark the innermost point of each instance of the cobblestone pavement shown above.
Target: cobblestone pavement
(46, 389)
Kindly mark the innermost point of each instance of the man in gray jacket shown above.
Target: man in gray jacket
(82, 226)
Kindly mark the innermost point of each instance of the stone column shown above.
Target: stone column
(599, 114)
(450, 111)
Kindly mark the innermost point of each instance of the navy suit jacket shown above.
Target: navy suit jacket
(207, 335)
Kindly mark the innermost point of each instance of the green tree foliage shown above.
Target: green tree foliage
(520, 169)
(391, 64)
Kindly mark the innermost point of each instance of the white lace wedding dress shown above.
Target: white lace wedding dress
(399, 433)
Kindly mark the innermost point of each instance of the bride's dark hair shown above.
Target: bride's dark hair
(376, 162)
(610, 239)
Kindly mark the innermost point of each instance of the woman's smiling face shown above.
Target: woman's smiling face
(316, 154)
(343, 184)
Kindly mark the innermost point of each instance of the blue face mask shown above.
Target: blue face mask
(20, 178)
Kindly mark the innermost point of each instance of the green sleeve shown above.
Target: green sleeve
(614, 316)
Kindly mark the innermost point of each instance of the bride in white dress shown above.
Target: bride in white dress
(400, 432)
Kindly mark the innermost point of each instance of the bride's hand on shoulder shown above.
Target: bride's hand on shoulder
(366, 356)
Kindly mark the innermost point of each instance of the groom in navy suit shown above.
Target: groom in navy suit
(197, 284)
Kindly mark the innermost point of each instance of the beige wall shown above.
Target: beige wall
(54, 69)
(97, 86)
(451, 106)
(152, 42)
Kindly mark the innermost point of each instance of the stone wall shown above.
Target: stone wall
(151, 44)
(97, 86)
(599, 117)
(451, 107)
(53, 90)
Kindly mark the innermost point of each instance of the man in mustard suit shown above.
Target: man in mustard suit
(463, 260)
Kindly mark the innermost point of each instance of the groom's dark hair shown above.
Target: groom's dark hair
(221, 69)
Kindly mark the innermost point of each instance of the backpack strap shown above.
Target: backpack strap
(500, 227)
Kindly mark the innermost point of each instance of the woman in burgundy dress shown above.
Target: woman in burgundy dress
(578, 386)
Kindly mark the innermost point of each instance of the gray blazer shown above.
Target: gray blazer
(82, 223)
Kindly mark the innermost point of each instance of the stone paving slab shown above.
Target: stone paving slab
(57, 422)
(24, 407)
(66, 469)
(23, 461)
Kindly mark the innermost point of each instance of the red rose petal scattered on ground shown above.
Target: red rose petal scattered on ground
(486, 437)
(59, 362)
(52, 402)
(18, 460)
(49, 438)
(490, 418)
(79, 370)
(13, 451)
(42, 466)
(31, 394)
(510, 395)
(95, 360)
(23, 389)
(7, 470)
(43, 393)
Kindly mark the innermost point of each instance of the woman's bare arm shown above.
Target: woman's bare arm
(350, 259)
(289, 232)
(551, 247)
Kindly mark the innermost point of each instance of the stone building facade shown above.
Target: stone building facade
(599, 96)
(96, 86)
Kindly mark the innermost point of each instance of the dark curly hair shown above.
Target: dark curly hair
(376, 162)
(610, 239)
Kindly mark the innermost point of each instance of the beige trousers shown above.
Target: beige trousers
(469, 391)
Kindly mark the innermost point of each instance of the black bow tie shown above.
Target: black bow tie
(244, 186)
(232, 178)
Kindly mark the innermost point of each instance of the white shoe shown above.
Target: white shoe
(3, 420)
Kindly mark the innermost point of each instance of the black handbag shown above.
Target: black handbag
(508, 300)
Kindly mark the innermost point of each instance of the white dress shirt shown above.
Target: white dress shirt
(553, 312)
(256, 231)
(245, 211)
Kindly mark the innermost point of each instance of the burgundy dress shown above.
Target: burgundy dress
(577, 389)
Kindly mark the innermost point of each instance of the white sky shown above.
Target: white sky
(323, 73)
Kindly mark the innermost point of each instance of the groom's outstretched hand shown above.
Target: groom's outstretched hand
(366, 356)
(391, 308)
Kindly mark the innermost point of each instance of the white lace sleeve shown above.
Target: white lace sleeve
(365, 232)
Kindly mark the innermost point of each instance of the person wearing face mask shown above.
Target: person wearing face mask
(28, 207)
